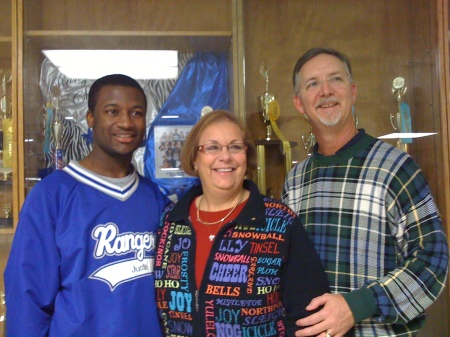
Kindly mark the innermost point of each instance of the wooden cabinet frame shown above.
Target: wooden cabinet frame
(245, 86)
(444, 80)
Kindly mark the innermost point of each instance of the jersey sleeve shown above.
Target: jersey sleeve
(31, 275)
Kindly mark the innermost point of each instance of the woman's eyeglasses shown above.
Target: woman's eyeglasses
(217, 148)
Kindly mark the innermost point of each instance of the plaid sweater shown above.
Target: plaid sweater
(373, 221)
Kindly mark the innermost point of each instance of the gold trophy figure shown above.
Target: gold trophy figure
(57, 129)
(7, 125)
(265, 100)
(7, 208)
(308, 142)
(6, 78)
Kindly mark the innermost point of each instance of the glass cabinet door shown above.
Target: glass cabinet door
(8, 125)
(8, 145)
(54, 101)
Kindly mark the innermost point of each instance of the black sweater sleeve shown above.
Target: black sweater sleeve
(303, 277)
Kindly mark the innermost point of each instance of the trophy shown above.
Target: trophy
(2, 314)
(265, 100)
(308, 142)
(57, 128)
(206, 110)
(3, 104)
(6, 78)
(7, 209)
(401, 121)
(7, 125)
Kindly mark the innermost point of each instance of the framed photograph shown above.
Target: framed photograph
(169, 140)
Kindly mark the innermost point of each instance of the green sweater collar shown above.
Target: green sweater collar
(357, 144)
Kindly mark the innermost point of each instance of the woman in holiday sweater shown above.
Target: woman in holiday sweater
(230, 261)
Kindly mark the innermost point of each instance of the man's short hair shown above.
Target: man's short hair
(114, 79)
(313, 52)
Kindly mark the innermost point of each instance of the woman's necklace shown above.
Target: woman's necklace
(220, 221)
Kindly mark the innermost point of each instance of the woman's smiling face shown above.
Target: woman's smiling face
(223, 172)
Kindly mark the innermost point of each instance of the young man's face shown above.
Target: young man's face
(118, 121)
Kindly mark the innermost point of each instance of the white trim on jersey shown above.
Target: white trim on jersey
(121, 193)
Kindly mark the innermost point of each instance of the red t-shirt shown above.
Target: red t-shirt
(202, 231)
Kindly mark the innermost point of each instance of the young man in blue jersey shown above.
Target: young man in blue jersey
(368, 210)
(82, 258)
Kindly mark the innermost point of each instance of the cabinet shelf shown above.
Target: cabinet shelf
(125, 32)
(185, 41)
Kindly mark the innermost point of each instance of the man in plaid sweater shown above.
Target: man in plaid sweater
(368, 210)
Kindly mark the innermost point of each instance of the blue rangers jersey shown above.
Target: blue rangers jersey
(82, 258)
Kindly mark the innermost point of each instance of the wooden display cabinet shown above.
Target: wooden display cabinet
(9, 203)
(186, 26)
(383, 39)
(29, 26)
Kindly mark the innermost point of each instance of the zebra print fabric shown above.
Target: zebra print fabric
(76, 137)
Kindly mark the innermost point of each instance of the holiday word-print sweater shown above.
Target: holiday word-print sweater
(261, 273)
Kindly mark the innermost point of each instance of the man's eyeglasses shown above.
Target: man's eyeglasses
(336, 82)
(217, 148)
